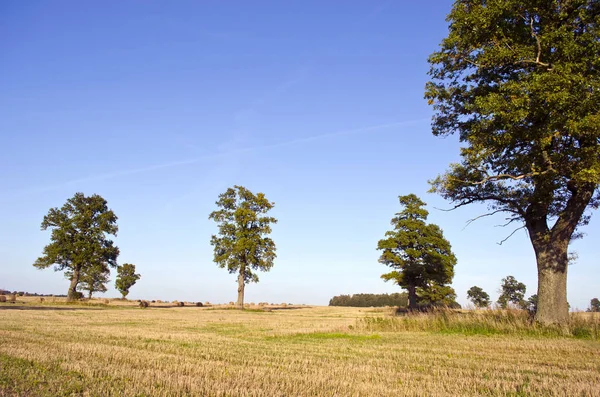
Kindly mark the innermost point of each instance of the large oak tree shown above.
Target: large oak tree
(519, 81)
(242, 245)
(79, 239)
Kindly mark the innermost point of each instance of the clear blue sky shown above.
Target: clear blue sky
(160, 106)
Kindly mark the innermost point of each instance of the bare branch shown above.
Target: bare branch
(539, 46)
(482, 216)
(498, 177)
(508, 223)
(510, 235)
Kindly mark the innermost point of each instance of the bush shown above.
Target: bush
(179, 304)
(2, 298)
(12, 298)
(143, 304)
(77, 296)
(199, 304)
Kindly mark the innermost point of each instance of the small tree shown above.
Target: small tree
(594, 305)
(242, 245)
(531, 304)
(93, 280)
(511, 291)
(478, 296)
(436, 295)
(418, 253)
(79, 243)
(126, 278)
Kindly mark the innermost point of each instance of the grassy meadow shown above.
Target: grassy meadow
(54, 349)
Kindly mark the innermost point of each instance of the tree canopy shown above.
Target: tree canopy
(79, 243)
(93, 280)
(126, 278)
(594, 305)
(478, 296)
(417, 252)
(512, 291)
(519, 82)
(242, 245)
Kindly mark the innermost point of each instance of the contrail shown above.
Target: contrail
(292, 142)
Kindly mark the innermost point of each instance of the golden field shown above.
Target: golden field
(53, 349)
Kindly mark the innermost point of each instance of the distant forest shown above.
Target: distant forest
(370, 300)
(24, 293)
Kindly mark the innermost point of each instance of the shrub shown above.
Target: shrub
(143, 304)
(77, 295)
(42, 300)
(106, 301)
(199, 304)
(179, 304)
(2, 298)
(12, 298)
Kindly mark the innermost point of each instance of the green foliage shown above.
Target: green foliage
(532, 304)
(79, 243)
(242, 245)
(370, 300)
(594, 305)
(92, 280)
(417, 252)
(518, 81)
(512, 291)
(478, 296)
(126, 278)
(436, 295)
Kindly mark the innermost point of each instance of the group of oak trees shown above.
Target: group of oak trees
(519, 82)
(80, 246)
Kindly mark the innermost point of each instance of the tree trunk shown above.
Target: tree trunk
(412, 297)
(90, 294)
(72, 294)
(552, 263)
(241, 284)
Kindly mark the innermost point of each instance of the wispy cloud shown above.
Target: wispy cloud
(218, 155)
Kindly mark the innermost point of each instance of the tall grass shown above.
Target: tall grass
(484, 322)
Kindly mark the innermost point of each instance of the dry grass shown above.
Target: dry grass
(485, 322)
(321, 351)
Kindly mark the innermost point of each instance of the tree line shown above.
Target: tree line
(399, 299)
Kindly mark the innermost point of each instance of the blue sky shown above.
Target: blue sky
(160, 106)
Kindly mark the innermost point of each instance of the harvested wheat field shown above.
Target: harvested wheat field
(64, 350)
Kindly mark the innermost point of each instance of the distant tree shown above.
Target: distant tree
(417, 252)
(92, 281)
(126, 278)
(79, 243)
(518, 81)
(478, 296)
(531, 304)
(511, 291)
(242, 245)
(594, 305)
